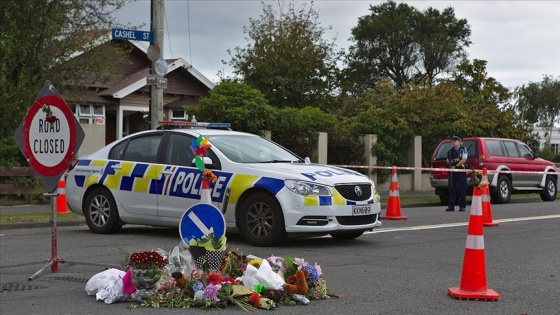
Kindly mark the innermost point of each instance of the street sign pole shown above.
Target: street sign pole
(49, 136)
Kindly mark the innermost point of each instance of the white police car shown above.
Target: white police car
(263, 190)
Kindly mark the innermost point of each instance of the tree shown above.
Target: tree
(38, 41)
(488, 103)
(297, 129)
(405, 45)
(539, 103)
(287, 58)
(239, 104)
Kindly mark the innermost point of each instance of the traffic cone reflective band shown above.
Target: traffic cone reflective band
(486, 206)
(205, 192)
(61, 206)
(473, 279)
(394, 202)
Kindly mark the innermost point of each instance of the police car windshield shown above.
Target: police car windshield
(252, 149)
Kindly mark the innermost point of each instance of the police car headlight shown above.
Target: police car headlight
(306, 188)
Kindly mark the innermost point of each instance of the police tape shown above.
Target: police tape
(430, 169)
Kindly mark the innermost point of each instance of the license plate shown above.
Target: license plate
(361, 210)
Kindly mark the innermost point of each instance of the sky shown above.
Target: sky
(520, 40)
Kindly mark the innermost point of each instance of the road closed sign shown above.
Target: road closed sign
(49, 135)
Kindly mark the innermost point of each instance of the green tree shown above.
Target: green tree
(287, 58)
(297, 129)
(539, 103)
(239, 104)
(39, 40)
(431, 112)
(405, 45)
(488, 103)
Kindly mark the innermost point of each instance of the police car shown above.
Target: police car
(263, 190)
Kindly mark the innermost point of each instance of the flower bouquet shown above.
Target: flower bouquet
(146, 268)
(475, 177)
(49, 117)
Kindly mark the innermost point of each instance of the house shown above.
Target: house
(554, 138)
(111, 110)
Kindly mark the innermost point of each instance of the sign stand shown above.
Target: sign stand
(55, 260)
(49, 137)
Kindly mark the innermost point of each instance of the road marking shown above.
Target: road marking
(440, 226)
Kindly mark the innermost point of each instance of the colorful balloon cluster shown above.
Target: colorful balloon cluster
(199, 146)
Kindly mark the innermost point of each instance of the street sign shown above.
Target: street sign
(123, 34)
(49, 135)
(199, 220)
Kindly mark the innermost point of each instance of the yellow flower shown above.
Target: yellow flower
(207, 174)
(255, 263)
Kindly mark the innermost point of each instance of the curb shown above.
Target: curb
(29, 225)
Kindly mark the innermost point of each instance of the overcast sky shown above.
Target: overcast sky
(520, 40)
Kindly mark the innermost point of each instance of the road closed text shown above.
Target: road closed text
(49, 145)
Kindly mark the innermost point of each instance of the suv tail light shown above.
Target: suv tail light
(482, 160)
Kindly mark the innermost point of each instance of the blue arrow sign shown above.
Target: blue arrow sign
(199, 220)
(122, 34)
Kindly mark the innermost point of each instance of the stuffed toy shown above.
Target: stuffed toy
(300, 285)
(179, 279)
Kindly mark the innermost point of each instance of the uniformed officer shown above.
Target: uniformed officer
(456, 159)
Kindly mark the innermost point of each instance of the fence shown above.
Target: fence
(23, 176)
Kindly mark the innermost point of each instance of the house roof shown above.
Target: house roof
(138, 79)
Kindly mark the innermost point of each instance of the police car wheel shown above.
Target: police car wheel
(347, 236)
(101, 212)
(261, 221)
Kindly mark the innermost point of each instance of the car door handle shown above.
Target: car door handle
(116, 166)
(167, 172)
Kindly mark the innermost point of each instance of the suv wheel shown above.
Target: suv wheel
(549, 190)
(503, 190)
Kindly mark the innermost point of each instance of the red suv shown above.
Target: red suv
(499, 156)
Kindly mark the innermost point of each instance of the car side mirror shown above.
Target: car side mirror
(537, 153)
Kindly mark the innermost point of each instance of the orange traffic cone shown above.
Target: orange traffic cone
(473, 279)
(61, 206)
(205, 192)
(486, 207)
(394, 201)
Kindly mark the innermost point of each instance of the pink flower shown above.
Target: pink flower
(299, 261)
(318, 268)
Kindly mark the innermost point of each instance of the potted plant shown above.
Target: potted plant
(146, 268)
(208, 252)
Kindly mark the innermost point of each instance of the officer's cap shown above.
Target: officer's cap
(457, 136)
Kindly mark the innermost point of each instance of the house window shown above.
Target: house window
(84, 110)
(177, 114)
(86, 114)
(555, 147)
(98, 110)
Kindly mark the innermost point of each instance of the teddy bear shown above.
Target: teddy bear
(180, 279)
(300, 285)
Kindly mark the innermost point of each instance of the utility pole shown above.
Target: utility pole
(156, 88)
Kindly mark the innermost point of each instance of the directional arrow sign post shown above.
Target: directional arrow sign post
(199, 220)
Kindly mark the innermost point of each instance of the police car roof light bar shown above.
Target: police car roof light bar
(191, 124)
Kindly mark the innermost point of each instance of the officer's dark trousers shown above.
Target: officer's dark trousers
(457, 185)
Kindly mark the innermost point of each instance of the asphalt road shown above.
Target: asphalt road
(405, 267)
